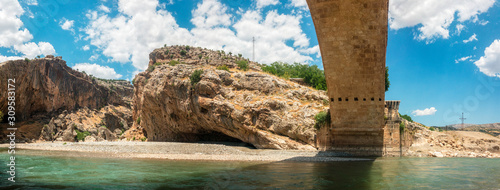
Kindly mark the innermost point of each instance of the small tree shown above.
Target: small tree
(242, 64)
(407, 117)
(183, 52)
(196, 76)
(387, 82)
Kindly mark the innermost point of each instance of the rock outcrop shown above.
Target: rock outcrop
(425, 142)
(47, 85)
(46, 89)
(108, 123)
(250, 106)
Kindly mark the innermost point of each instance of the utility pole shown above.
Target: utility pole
(462, 118)
(253, 53)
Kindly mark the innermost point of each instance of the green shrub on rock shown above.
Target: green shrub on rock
(80, 136)
(322, 119)
(196, 76)
(242, 64)
(173, 63)
(223, 67)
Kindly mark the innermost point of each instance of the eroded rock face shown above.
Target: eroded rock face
(252, 106)
(108, 123)
(46, 89)
(47, 85)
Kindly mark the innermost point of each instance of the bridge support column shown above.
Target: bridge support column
(352, 36)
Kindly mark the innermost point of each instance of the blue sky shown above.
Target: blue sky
(443, 56)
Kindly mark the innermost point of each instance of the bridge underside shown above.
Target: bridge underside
(352, 36)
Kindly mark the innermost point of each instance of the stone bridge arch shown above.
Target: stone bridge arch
(352, 36)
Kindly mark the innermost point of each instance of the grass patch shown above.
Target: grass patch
(173, 63)
(222, 67)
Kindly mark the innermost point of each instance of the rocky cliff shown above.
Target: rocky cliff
(47, 87)
(249, 106)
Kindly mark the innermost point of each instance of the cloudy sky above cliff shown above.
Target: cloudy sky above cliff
(444, 56)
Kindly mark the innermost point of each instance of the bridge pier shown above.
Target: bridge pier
(352, 36)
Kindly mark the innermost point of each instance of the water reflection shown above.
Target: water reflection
(385, 173)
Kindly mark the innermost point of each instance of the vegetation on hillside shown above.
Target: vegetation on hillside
(312, 75)
(322, 119)
(407, 117)
(196, 76)
(80, 136)
(222, 67)
(387, 82)
(242, 64)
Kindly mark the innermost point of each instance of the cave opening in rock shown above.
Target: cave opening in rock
(214, 137)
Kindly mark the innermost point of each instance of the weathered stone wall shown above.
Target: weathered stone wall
(392, 135)
(352, 36)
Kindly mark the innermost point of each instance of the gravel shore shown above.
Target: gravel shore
(175, 151)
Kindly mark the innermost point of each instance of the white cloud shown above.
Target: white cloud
(472, 38)
(463, 59)
(312, 50)
(104, 8)
(264, 3)
(299, 3)
(426, 111)
(86, 47)
(460, 27)
(32, 49)
(489, 64)
(66, 24)
(130, 36)
(32, 2)
(13, 36)
(98, 70)
(7, 58)
(432, 17)
(10, 25)
(483, 22)
(210, 13)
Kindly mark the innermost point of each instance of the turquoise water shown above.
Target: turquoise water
(60, 172)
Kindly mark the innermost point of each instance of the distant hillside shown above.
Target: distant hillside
(490, 128)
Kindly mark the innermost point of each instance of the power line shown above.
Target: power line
(253, 52)
(462, 118)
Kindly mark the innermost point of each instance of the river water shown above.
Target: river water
(62, 172)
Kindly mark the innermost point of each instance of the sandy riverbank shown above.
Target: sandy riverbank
(174, 151)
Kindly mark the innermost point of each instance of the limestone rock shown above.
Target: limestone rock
(47, 85)
(223, 105)
(108, 123)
